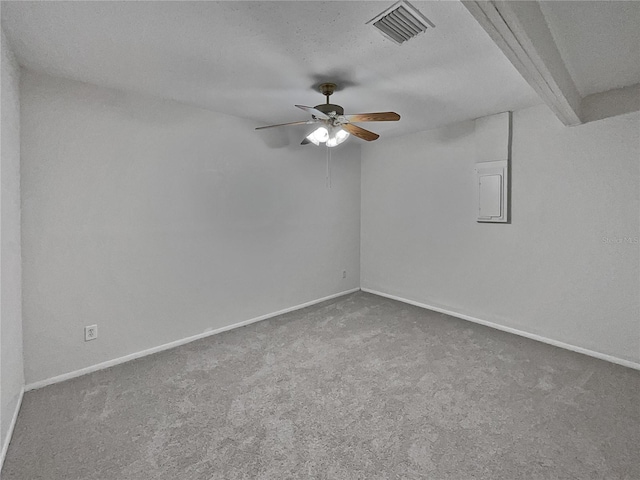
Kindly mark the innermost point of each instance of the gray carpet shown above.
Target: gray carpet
(356, 388)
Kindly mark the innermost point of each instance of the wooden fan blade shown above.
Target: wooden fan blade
(374, 117)
(314, 112)
(306, 122)
(360, 132)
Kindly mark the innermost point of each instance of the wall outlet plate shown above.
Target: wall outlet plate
(90, 332)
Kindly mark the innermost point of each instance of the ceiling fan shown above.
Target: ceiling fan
(334, 126)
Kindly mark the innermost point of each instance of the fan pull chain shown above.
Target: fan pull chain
(328, 167)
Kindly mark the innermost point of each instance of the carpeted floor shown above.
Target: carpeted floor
(360, 387)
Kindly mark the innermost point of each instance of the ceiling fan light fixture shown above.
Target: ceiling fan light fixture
(333, 136)
(337, 136)
(312, 139)
(318, 136)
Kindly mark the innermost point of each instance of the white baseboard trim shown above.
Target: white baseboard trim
(176, 343)
(522, 333)
(12, 425)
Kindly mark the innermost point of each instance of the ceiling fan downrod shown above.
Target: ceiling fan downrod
(329, 108)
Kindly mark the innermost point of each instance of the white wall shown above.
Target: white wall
(11, 368)
(157, 221)
(561, 270)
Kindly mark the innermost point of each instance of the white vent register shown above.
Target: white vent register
(401, 22)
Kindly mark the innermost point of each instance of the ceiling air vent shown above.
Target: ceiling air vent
(401, 22)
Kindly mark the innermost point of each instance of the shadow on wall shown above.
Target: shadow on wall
(276, 137)
(281, 137)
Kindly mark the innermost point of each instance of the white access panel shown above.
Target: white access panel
(490, 196)
(492, 189)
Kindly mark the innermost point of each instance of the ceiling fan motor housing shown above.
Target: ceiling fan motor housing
(329, 108)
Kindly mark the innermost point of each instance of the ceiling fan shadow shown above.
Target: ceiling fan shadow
(283, 137)
(274, 138)
(342, 80)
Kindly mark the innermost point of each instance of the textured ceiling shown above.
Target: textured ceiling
(257, 59)
(599, 41)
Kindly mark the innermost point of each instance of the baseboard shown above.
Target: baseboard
(12, 425)
(176, 343)
(522, 333)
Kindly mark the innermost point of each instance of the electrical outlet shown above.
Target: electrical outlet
(344, 274)
(90, 332)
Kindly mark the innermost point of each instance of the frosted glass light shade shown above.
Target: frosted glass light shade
(341, 135)
(318, 136)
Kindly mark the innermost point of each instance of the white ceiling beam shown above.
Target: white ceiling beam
(611, 103)
(521, 32)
